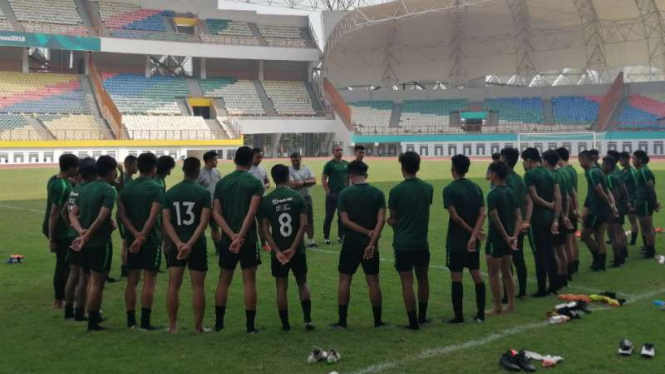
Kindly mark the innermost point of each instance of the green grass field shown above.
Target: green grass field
(35, 338)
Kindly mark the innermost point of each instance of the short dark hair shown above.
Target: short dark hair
(257, 150)
(295, 155)
(358, 147)
(461, 164)
(280, 173)
(358, 168)
(191, 167)
(624, 155)
(209, 156)
(130, 159)
(551, 157)
(642, 156)
(531, 154)
(564, 153)
(68, 161)
(610, 160)
(165, 164)
(594, 152)
(511, 156)
(88, 168)
(244, 156)
(335, 146)
(614, 154)
(106, 165)
(146, 162)
(496, 156)
(500, 169)
(584, 154)
(410, 161)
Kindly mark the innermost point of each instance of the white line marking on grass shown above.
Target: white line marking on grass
(2, 206)
(440, 351)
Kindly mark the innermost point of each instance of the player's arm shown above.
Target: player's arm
(528, 212)
(129, 226)
(518, 224)
(169, 229)
(218, 217)
(574, 204)
(301, 232)
(496, 221)
(346, 222)
(103, 215)
(392, 219)
(479, 223)
(380, 222)
(295, 184)
(651, 192)
(267, 235)
(201, 228)
(606, 197)
(324, 183)
(251, 215)
(74, 220)
(266, 182)
(54, 215)
(458, 220)
(558, 199)
(538, 200)
(311, 181)
(152, 219)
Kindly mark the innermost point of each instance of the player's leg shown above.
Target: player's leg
(588, 237)
(133, 277)
(310, 222)
(520, 266)
(249, 283)
(474, 270)
(80, 293)
(546, 243)
(409, 297)
(455, 263)
(282, 286)
(61, 272)
(371, 270)
(173, 296)
(198, 299)
(331, 200)
(507, 275)
(221, 297)
(615, 241)
(299, 268)
(70, 290)
(422, 275)
(494, 270)
(94, 299)
(343, 299)
(599, 235)
(123, 260)
(632, 218)
(150, 262)
(646, 224)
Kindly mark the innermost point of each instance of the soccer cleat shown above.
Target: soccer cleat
(309, 326)
(205, 330)
(96, 328)
(507, 362)
(340, 239)
(524, 362)
(625, 347)
(151, 328)
(456, 320)
(253, 331)
(338, 326)
(312, 245)
(648, 350)
(316, 355)
(333, 357)
(327, 242)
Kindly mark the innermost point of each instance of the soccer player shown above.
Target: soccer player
(186, 212)
(258, 171)
(571, 243)
(409, 203)
(600, 208)
(464, 201)
(630, 182)
(236, 201)
(359, 152)
(77, 282)
(546, 197)
(125, 176)
(363, 211)
(646, 201)
(510, 156)
(302, 179)
(616, 187)
(334, 179)
(54, 228)
(595, 157)
(208, 179)
(139, 204)
(496, 157)
(505, 224)
(164, 166)
(284, 221)
(91, 218)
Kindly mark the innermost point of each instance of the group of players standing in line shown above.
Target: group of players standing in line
(543, 206)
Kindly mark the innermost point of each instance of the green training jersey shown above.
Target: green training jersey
(362, 203)
(615, 184)
(572, 176)
(502, 199)
(630, 181)
(137, 198)
(160, 182)
(186, 201)
(518, 188)
(96, 195)
(338, 175)
(235, 192)
(282, 208)
(644, 176)
(411, 199)
(57, 191)
(565, 186)
(71, 201)
(598, 206)
(544, 182)
(467, 199)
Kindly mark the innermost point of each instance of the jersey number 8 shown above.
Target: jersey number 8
(285, 227)
(189, 213)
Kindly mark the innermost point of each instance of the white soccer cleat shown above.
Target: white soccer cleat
(648, 350)
(333, 357)
(625, 347)
(316, 356)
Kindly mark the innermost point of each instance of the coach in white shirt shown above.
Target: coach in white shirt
(208, 179)
(258, 171)
(302, 179)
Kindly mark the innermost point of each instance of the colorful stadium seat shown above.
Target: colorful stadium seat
(517, 110)
(166, 128)
(41, 93)
(16, 127)
(369, 115)
(571, 110)
(74, 127)
(290, 98)
(51, 16)
(420, 115)
(240, 96)
(135, 94)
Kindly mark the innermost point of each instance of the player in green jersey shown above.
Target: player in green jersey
(55, 230)
(334, 179)
(571, 242)
(464, 201)
(363, 211)
(91, 218)
(616, 187)
(630, 181)
(186, 212)
(139, 204)
(505, 224)
(646, 201)
(283, 216)
(125, 175)
(409, 203)
(236, 201)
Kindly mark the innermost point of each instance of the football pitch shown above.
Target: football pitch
(35, 337)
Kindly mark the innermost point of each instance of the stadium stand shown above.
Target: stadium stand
(285, 36)
(370, 114)
(41, 93)
(135, 94)
(4, 24)
(132, 22)
(240, 96)
(74, 127)
(290, 98)
(54, 16)
(517, 110)
(420, 114)
(16, 127)
(166, 128)
(222, 31)
(650, 103)
(571, 110)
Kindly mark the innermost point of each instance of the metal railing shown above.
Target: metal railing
(92, 135)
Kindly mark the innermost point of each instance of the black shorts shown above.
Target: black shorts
(408, 260)
(456, 261)
(298, 265)
(497, 248)
(248, 256)
(351, 257)
(197, 259)
(310, 211)
(148, 258)
(593, 221)
(560, 238)
(621, 220)
(97, 257)
(644, 209)
(573, 219)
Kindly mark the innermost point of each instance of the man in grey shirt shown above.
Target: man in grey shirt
(302, 178)
(258, 171)
(208, 179)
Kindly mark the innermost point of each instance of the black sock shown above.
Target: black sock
(251, 316)
(123, 271)
(633, 238)
(284, 317)
(576, 266)
(457, 297)
(343, 311)
(563, 281)
(219, 317)
(413, 320)
(145, 317)
(480, 300)
(79, 314)
(69, 311)
(307, 310)
(602, 259)
(422, 312)
(131, 318)
(377, 311)
(93, 319)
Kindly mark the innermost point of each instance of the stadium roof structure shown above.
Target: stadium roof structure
(455, 41)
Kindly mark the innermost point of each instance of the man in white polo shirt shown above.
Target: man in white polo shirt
(302, 179)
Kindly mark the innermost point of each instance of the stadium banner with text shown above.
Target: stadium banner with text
(64, 42)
